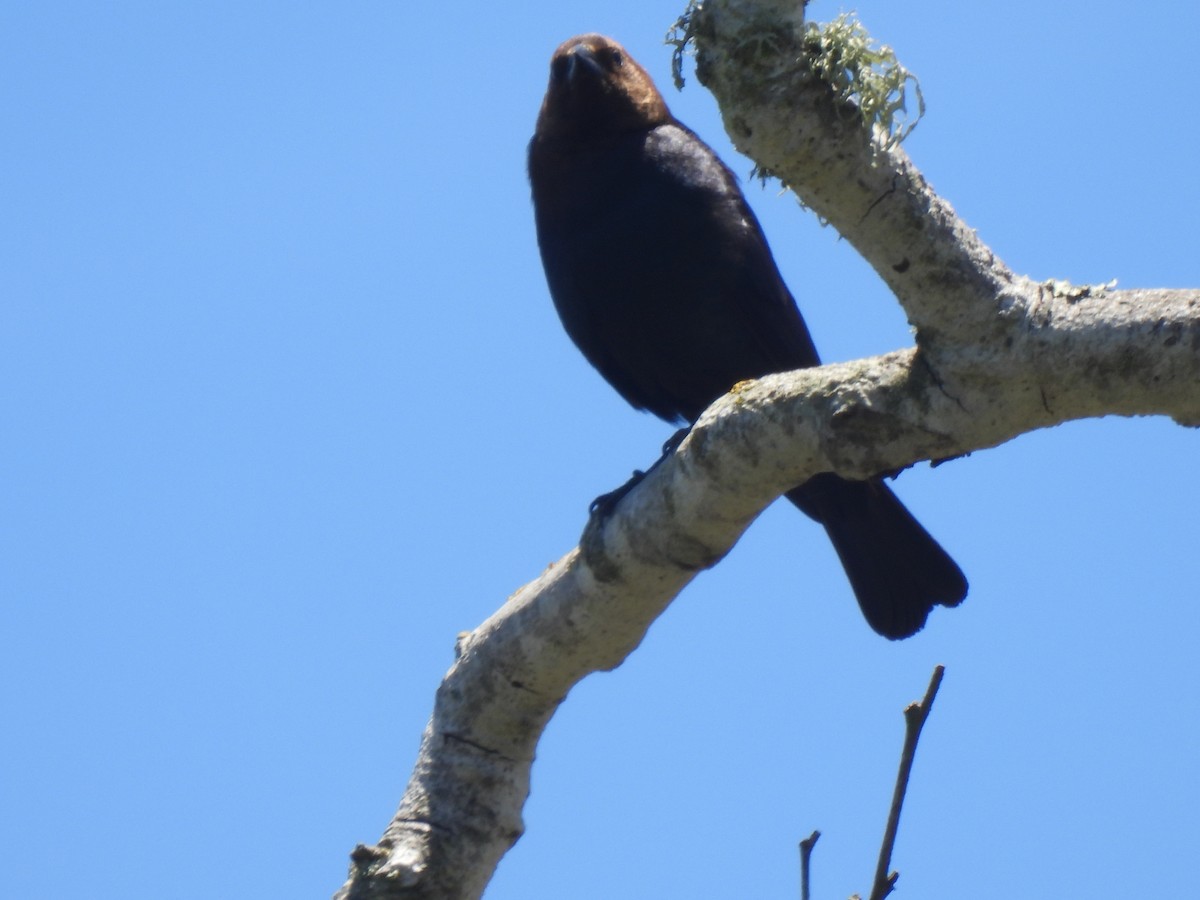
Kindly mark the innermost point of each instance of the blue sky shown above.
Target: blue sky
(284, 406)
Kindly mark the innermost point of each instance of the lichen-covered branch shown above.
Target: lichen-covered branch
(770, 76)
(997, 355)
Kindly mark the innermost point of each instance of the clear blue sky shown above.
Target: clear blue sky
(284, 406)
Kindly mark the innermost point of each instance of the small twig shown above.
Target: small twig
(915, 715)
(806, 847)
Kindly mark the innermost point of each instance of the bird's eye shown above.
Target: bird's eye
(617, 59)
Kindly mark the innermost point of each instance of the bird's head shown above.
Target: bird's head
(596, 87)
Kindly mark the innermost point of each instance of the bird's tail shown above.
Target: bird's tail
(897, 570)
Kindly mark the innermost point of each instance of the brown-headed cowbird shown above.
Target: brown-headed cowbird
(662, 277)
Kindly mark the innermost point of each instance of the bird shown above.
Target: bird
(662, 277)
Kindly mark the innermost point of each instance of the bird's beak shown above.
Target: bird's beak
(581, 61)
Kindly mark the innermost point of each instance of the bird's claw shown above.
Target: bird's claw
(674, 441)
(604, 505)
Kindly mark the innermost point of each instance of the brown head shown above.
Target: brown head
(598, 88)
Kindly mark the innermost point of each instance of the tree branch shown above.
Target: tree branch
(915, 715)
(806, 849)
(755, 58)
(1124, 352)
(998, 355)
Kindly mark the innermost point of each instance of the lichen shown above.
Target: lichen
(680, 36)
(1061, 289)
(862, 73)
(866, 74)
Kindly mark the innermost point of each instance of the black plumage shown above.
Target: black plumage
(663, 279)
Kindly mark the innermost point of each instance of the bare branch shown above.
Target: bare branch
(806, 849)
(915, 715)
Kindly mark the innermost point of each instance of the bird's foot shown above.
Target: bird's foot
(674, 441)
(604, 505)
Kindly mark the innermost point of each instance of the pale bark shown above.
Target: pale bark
(997, 355)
